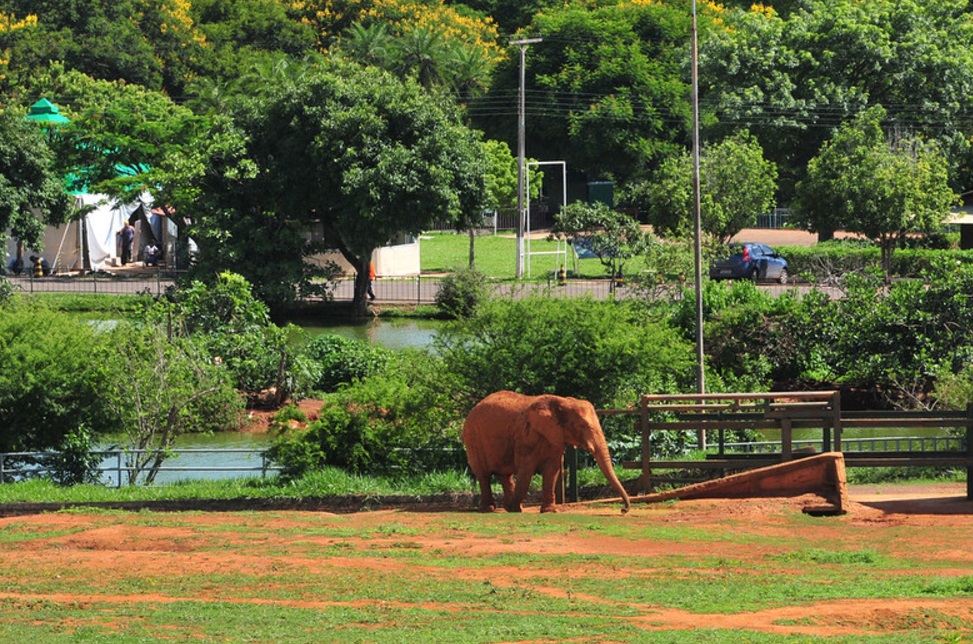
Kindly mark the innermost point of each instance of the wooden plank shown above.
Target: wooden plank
(701, 465)
(791, 395)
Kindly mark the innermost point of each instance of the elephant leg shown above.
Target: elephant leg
(486, 494)
(551, 474)
(507, 483)
(524, 475)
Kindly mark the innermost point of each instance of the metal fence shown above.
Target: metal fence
(227, 463)
(106, 283)
(181, 464)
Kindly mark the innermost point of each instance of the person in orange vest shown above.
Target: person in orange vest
(371, 278)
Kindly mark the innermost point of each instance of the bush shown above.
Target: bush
(401, 422)
(49, 383)
(160, 387)
(342, 361)
(235, 329)
(604, 352)
(461, 292)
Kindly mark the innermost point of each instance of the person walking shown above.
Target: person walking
(371, 278)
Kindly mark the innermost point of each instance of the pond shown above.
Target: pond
(393, 333)
(222, 455)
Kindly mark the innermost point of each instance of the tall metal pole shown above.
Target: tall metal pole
(698, 231)
(521, 153)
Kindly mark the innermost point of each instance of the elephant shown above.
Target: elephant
(510, 434)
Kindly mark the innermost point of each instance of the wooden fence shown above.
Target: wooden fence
(784, 412)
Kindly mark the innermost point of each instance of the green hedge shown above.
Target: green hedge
(829, 259)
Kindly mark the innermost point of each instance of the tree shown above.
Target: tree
(153, 44)
(160, 387)
(792, 78)
(351, 154)
(736, 184)
(604, 352)
(121, 137)
(612, 236)
(882, 187)
(31, 193)
(607, 87)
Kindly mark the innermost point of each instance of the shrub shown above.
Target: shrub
(49, 383)
(235, 329)
(400, 422)
(604, 352)
(74, 463)
(342, 361)
(461, 292)
(160, 387)
(6, 289)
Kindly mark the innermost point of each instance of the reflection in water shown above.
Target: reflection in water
(391, 334)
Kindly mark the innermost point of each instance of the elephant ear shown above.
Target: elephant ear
(541, 424)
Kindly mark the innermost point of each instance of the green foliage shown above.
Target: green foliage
(747, 334)
(831, 60)
(605, 352)
(49, 384)
(159, 387)
(461, 292)
(736, 184)
(608, 88)
(6, 290)
(74, 463)
(152, 44)
(235, 329)
(30, 191)
(342, 361)
(399, 422)
(865, 183)
(613, 237)
(360, 155)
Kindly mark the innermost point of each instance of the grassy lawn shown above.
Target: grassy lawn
(496, 256)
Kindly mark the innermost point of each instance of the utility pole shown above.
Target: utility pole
(521, 154)
(698, 228)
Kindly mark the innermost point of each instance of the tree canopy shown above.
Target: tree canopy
(736, 184)
(31, 192)
(793, 78)
(883, 187)
(350, 153)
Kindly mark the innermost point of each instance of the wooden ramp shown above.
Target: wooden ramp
(822, 474)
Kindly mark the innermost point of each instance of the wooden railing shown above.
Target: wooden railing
(785, 412)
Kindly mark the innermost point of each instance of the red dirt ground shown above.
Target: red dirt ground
(920, 523)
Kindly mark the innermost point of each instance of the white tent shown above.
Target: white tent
(64, 246)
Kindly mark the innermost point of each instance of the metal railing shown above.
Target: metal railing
(115, 468)
(152, 284)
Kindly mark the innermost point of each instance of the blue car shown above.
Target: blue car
(752, 261)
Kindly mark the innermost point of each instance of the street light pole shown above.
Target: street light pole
(521, 154)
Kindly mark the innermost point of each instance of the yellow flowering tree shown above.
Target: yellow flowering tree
(441, 45)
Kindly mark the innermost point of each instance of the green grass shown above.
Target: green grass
(496, 256)
(89, 302)
(328, 482)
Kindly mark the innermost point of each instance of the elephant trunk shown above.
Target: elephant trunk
(603, 458)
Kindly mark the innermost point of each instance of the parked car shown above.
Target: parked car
(748, 260)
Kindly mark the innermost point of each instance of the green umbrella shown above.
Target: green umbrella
(44, 111)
